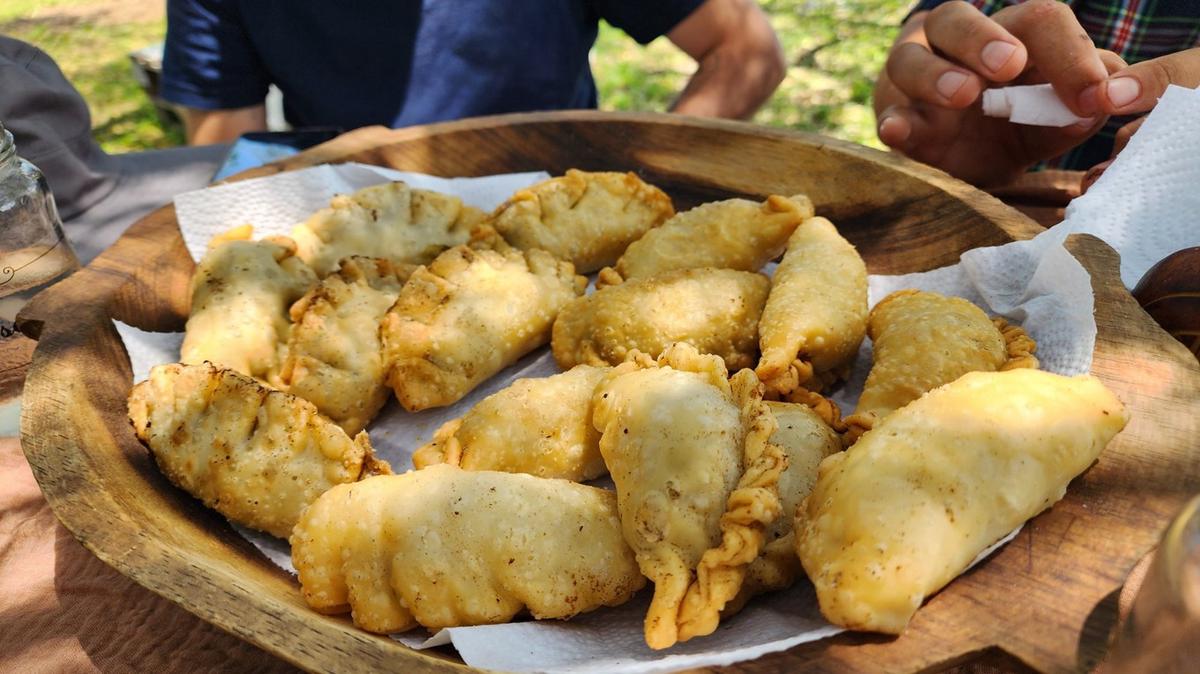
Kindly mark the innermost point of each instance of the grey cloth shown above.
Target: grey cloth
(98, 195)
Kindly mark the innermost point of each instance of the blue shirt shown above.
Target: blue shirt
(350, 64)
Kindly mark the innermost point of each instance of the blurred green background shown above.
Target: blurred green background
(833, 48)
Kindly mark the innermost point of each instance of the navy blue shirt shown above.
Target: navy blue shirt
(350, 64)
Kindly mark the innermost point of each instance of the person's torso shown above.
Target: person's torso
(410, 62)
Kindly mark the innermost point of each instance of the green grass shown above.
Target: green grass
(834, 48)
(19, 9)
(93, 54)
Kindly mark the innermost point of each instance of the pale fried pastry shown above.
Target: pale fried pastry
(391, 220)
(540, 426)
(252, 453)
(923, 340)
(241, 292)
(468, 315)
(334, 356)
(916, 499)
(674, 436)
(816, 315)
(586, 218)
(444, 547)
(806, 439)
(715, 310)
(752, 507)
(731, 234)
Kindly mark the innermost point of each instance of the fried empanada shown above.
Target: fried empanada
(806, 439)
(586, 218)
(334, 356)
(731, 234)
(715, 310)
(254, 454)
(444, 547)
(915, 500)
(540, 426)
(816, 315)
(391, 220)
(923, 340)
(697, 481)
(241, 292)
(468, 315)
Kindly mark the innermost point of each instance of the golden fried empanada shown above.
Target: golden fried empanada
(715, 310)
(540, 426)
(391, 220)
(256, 455)
(806, 439)
(907, 508)
(586, 218)
(730, 234)
(923, 340)
(334, 355)
(468, 315)
(443, 547)
(816, 315)
(241, 292)
(697, 481)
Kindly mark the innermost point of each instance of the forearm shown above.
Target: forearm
(205, 127)
(730, 82)
(739, 61)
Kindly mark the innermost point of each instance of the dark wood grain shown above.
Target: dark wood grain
(1170, 293)
(1039, 601)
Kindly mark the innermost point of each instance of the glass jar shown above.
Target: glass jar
(34, 254)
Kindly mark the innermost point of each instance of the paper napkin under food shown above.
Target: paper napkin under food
(276, 204)
(1038, 285)
(1147, 205)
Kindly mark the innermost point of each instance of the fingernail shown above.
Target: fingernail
(950, 82)
(1089, 99)
(995, 54)
(1123, 91)
(894, 127)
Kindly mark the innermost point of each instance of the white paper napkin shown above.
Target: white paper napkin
(275, 204)
(1034, 104)
(1145, 205)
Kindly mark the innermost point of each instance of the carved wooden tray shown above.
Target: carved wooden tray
(1047, 600)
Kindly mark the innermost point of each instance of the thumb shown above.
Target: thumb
(1138, 87)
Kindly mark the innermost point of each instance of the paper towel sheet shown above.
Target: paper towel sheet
(1034, 104)
(275, 204)
(1036, 284)
(1147, 203)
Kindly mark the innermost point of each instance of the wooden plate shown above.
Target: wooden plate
(1043, 600)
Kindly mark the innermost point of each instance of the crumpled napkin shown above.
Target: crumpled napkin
(1146, 205)
(1034, 104)
(275, 204)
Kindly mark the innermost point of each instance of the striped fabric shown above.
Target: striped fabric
(1136, 30)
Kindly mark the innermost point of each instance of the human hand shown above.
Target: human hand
(1136, 89)
(927, 98)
